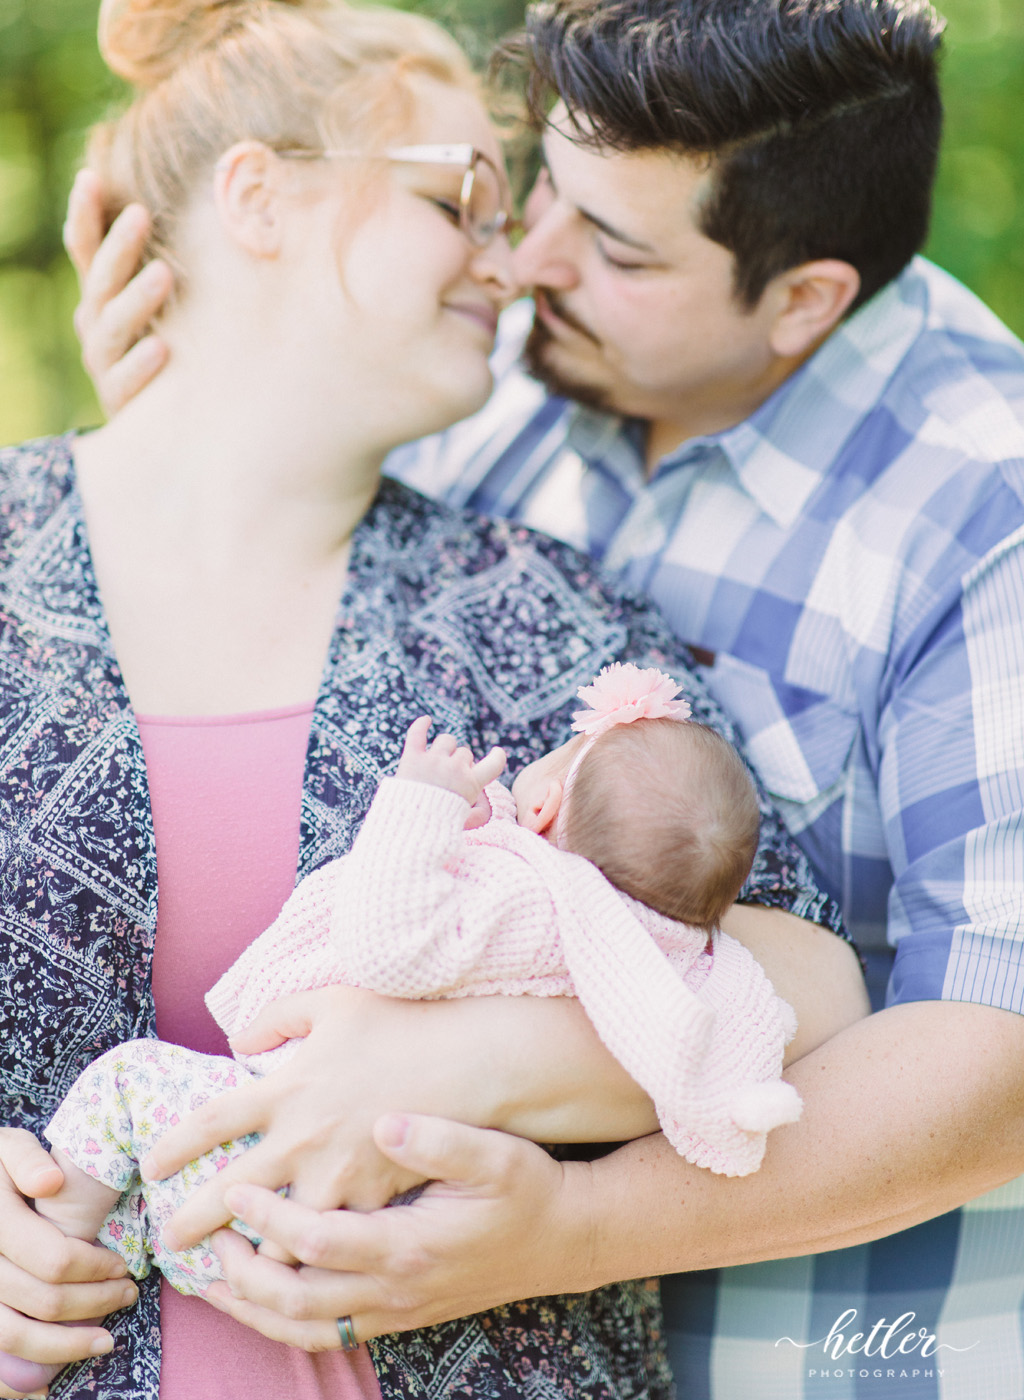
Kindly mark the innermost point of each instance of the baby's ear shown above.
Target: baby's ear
(541, 816)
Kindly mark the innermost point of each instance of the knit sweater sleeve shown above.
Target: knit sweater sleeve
(418, 911)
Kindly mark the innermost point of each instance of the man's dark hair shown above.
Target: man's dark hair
(820, 118)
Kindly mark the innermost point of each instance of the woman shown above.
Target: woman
(330, 194)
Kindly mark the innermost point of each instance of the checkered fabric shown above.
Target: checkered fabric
(853, 555)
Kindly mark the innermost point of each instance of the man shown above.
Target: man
(810, 451)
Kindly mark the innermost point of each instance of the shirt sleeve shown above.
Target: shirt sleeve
(951, 788)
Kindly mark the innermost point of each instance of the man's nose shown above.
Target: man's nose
(545, 256)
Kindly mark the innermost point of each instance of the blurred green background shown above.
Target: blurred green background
(53, 85)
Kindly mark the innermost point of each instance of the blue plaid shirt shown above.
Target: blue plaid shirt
(853, 556)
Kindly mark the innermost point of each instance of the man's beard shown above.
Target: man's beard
(535, 358)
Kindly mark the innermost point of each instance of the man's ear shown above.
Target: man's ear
(247, 193)
(812, 298)
(544, 811)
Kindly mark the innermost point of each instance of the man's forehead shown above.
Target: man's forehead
(647, 193)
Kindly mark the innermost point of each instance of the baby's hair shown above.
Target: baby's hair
(294, 74)
(668, 811)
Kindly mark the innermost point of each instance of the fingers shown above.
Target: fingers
(32, 1170)
(123, 379)
(288, 1018)
(205, 1209)
(34, 1249)
(297, 1307)
(41, 1341)
(440, 1150)
(416, 738)
(223, 1118)
(491, 766)
(83, 227)
(340, 1240)
(48, 1301)
(117, 305)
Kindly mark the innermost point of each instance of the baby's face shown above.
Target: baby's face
(533, 784)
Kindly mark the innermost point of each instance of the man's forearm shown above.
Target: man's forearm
(932, 1116)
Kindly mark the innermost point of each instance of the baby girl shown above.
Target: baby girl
(602, 875)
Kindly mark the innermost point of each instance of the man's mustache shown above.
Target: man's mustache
(554, 303)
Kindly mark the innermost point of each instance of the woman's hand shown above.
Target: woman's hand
(496, 1224)
(45, 1278)
(120, 353)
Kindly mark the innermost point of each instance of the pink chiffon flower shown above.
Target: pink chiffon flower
(623, 693)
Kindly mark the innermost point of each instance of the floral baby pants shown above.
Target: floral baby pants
(115, 1112)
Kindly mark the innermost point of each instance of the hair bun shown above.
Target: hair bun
(143, 41)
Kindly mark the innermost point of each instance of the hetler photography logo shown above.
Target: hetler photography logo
(895, 1349)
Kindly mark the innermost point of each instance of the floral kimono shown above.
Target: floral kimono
(487, 627)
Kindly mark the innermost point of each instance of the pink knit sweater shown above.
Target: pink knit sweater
(421, 908)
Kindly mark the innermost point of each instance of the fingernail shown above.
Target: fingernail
(392, 1130)
(129, 1296)
(102, 1345)
(171, 1240)
(238, 1200)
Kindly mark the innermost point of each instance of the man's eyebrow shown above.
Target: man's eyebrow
(602, 224)
(613, 232)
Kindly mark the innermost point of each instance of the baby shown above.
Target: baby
(602, 875)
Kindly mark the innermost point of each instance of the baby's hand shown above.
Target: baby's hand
(445, 764)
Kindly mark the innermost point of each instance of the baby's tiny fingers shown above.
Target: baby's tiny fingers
(445, 744)
(416, 737)
(491, 766)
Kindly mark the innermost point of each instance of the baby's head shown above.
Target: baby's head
(664, 807)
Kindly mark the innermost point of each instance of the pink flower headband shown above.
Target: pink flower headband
(623, 693)
(620, 694)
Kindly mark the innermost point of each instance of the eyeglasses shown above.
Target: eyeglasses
(482, 205)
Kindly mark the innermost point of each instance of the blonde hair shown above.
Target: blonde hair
(293, 74)
(669, 813)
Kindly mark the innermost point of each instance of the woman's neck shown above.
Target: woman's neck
(227, 466)
(220, 512)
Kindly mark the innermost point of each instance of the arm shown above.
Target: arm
(45, 1278)
(875, 1152)
(536, 1070)
(414, 906)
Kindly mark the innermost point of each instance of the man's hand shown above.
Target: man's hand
(495, 1224)
(877, 1151)
(445, 764)
(45, 1278)
(120, 352)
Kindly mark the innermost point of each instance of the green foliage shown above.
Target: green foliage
(53, 86)
(978, 226)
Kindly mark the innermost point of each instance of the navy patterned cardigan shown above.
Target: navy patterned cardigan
(484, 625)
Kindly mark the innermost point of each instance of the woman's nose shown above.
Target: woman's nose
(493, 266)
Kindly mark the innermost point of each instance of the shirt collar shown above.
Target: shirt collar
(782, 451)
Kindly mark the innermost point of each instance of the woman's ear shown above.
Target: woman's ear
(543, 811)
(247, 193)
(813, 298)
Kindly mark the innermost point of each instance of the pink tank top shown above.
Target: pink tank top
(226, 798)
